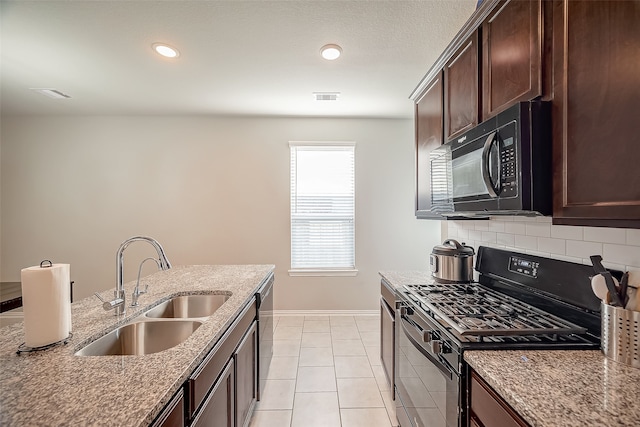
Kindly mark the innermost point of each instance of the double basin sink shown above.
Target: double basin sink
(159, 328)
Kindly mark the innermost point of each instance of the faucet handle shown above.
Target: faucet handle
(110, 305)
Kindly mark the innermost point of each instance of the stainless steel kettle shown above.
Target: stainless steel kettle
(452, 262)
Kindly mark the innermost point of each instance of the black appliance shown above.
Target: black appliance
(519, 302)
(500, 167)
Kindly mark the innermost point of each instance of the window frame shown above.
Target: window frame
(321, 271)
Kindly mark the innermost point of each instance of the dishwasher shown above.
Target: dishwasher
(264, 298)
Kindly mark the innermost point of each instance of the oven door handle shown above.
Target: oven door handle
(409, 333)
(492, 188)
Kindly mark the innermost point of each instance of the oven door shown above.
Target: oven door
(427, 383)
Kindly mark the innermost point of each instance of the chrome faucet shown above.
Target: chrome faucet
(118, 304)
(136, 291)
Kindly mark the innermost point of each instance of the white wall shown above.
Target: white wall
(211, 190)
(620, 248)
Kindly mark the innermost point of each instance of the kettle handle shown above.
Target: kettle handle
(455, 242)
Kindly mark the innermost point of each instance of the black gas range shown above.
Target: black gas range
(520, 301)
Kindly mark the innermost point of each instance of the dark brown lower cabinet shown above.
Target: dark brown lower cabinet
(221, 391)
(488, 409)
(173, 414)
(218, 407)
(246, 363)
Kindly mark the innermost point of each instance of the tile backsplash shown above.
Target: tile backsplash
(619, 247)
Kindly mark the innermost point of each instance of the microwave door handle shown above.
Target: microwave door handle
(486, 175)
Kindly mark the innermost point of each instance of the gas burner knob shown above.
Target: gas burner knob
(436, 346)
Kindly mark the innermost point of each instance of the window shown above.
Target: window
(322, 208)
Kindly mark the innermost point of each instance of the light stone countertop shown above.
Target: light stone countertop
(409, 277)
(56, 388)
(562, 388)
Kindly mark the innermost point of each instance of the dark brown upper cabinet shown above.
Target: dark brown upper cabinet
(596, 75)
(512, 40)
(461, 89)
(429, 122)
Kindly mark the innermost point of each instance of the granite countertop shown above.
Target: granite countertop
(409, 277)
(558, 388)
(54, 387)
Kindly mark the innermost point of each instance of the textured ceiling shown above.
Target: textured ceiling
(237, 57)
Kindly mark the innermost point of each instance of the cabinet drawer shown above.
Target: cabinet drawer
(205, 375)
(488, 409)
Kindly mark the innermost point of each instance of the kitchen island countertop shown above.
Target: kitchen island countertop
(562, 388)
(55, 388)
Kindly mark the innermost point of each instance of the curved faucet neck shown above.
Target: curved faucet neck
(162, 260)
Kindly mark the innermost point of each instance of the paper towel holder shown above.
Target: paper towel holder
(23, 348)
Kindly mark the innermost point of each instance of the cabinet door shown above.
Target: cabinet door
(218, 409)
(461, 90)
(173, 414)
(387, 341)
(429, 122)
(488, 408)
(595, 115)
(511, 55)
(246, 362)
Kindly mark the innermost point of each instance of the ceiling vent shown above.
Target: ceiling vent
(52, 93)
(326, 96)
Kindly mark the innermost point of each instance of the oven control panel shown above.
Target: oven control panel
(523, 266)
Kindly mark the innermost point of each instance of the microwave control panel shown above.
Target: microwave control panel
(508, 170)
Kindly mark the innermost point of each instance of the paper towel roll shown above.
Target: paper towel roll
(46, 304)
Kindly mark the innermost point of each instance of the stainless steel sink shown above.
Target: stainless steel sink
(188, 306)
(141, 338)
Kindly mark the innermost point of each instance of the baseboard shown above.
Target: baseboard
(284, 313)
(10, 317)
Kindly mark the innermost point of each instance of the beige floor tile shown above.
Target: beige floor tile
(271, 419)
(290, 320)
(373, 353)
(348, 348)
(276, 394)
(316, 379)
(283, 368)
(344, 333)
(286, 347)
(316, 356)
(316, 339)
(316, 326)
(352, 367)
(381, 378)
(359, 393)
(390, 404)
(342, 321)
(370, 338)
(366, 417)
(316, 410)
(368, 324)
(287, 333)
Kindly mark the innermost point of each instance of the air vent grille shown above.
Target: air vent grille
(326, 96)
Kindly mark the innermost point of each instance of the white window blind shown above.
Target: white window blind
(322, 206)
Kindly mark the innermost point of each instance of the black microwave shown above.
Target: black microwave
(500, 167)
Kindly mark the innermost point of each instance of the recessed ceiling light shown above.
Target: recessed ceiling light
(166, 50)
(326, 96)
(331, 51)
(52, 93)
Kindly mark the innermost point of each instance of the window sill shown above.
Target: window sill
(323, 272)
